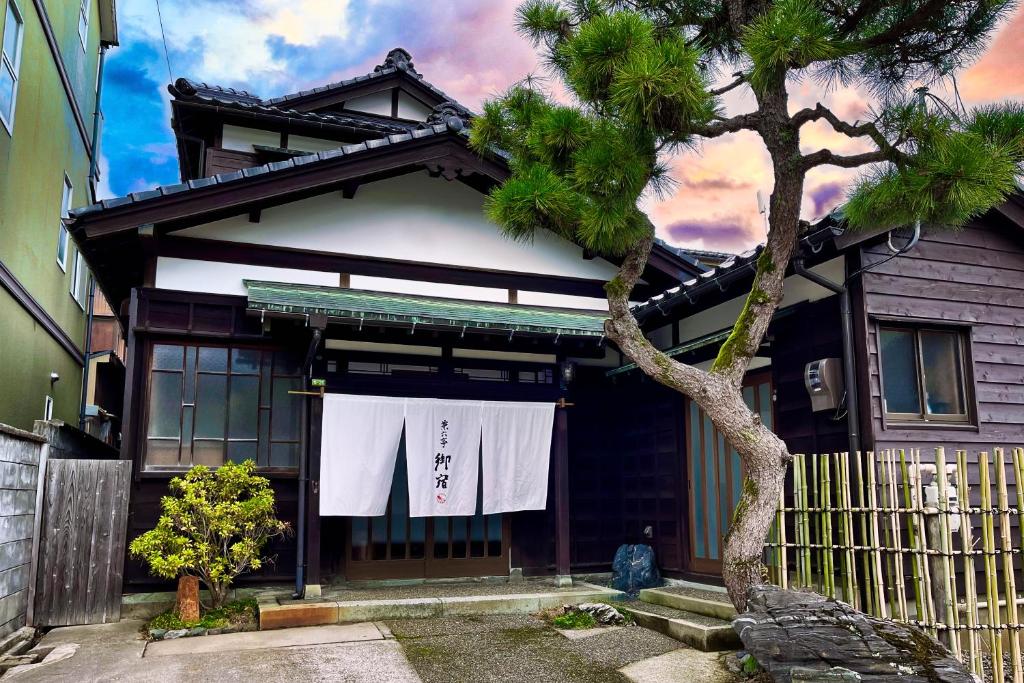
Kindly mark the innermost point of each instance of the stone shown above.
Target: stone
(187, 603)
(634, 568)
(196, 631)
(214, 631)
(804, 636)
(603, 614)
(516, 575)
(175, 634)
(157, 633)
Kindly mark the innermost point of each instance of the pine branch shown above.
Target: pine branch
(826, 157)
(731, 125)
(741, 78)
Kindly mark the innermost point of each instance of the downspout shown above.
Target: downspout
(88, 354)
(94, 160)
(849, 369)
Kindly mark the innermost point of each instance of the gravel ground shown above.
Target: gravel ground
(520, 649)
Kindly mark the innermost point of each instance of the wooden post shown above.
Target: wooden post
(561, 457)
(312, 511)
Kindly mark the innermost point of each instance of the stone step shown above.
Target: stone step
(704, 602)
(697, 630)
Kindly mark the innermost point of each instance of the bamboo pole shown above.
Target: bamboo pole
(816, 498)
(929, 604)
(1009, 582)
(1018, 481)
(967, 546)
(892, 560)
(991, 573)
(866, 558)
(798, 526)
(781, 521)
(808, 578)
(946, 545)
(851, 557)
(880, 606)
(912, 535)
(828, 562)
(897, 532)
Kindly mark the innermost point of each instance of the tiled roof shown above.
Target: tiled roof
(274, 167)
(336, 119)
(734, 266)
(409, 309)
(217, 91)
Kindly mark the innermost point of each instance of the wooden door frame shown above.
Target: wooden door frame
(706, 566)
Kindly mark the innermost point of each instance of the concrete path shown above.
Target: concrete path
(684, 664)
(357, 653)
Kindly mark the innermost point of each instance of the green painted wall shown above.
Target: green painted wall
(45, 144)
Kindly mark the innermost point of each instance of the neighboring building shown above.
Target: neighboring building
(50, 70)
(337, 234)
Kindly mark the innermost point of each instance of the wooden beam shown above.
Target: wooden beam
(312, 511)
(255, 215)
(560, 454)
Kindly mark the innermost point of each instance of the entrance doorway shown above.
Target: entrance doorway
(396, 546)
(716, 477)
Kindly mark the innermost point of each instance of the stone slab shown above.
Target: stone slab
(376, 610)
(581, 633)
(684, 664)
(258, 640)
(701, 636)
(689, 603)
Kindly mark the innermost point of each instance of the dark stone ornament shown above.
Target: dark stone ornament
(804, 636)
(400, 59)
(634, 568)
(449, 114)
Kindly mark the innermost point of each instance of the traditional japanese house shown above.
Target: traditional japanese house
(332, 241)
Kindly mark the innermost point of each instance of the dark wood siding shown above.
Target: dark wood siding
(225, 161)
(973, 277)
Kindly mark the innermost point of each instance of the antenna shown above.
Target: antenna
(762, 208)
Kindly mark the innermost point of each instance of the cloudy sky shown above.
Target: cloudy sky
(469, 49)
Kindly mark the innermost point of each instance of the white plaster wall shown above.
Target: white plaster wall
(412, 218)
(374, 103)
(796, 290)
(226, 278)
(242, 139)
(411, 108)
(562, 301)
(307, 144)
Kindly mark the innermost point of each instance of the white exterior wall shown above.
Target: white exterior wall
(374, 103)
(410, 218)
(307, 144)
(242, 139)
(411, 108)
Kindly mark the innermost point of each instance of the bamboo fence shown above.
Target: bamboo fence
(928, 541)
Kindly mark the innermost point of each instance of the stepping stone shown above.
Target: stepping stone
(684, 664)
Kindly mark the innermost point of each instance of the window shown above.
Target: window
(209, 404)
(83, 21)
(10, 62)
(48, 408)
(62, 231)
(79, 279)
(924, 374)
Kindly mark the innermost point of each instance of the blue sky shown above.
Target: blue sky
(469, 49)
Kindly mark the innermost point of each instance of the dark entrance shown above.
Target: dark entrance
(715, 475)
(396, 546)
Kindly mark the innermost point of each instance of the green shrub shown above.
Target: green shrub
(214, 526)
(575, 620)
(234, 612)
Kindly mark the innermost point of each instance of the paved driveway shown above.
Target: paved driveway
(114, 652)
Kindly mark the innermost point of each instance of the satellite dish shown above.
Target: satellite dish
(903, 238)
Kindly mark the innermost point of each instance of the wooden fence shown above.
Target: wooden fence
(886, 533)
(81, 552)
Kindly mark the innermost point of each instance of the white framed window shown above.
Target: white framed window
(10, 63)
(62, 231)
(48, 408)
(83, 20)
(79, 280)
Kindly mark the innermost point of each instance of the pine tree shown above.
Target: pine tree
(640, 75)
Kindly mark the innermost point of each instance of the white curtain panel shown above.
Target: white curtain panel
(442, 450)
(360, 439)
(516, 453)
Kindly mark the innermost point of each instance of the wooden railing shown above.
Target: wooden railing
(885, 533)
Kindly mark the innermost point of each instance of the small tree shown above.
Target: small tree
(639, 74)
(214, 526)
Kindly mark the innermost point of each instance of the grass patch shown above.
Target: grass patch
(574, 620)
(234, 613)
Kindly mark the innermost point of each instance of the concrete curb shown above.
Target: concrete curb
(709, 608)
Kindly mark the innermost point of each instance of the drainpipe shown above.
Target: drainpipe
(849, 369)
(300, 530)
(88, 353)
(94, 160)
